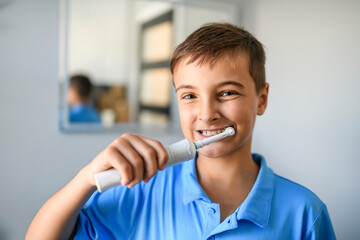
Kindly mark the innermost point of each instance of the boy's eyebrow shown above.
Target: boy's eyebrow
(231, 83)
(220, 85)
(184, 86)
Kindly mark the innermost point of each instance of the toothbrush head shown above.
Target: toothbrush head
(230, 131)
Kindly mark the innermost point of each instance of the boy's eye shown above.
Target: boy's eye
(188, 96)
(228, 93)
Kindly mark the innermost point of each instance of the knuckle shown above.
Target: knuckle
(150, 152)
(126, 135)
(157, 143)
(118, 141)
(109, 151)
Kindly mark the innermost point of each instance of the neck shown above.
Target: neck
(80, 101)
(227, 180)
(235, 170)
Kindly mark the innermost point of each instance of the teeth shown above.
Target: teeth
(212, 133)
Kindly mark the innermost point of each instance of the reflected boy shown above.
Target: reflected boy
(80, 109)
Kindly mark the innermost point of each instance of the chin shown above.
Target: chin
(213, 152)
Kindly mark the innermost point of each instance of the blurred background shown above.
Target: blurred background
(310, 132)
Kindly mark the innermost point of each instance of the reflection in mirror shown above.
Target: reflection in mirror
(123, 48)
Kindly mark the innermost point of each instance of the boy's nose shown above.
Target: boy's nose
(208, 111)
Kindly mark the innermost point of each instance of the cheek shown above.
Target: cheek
(242, 112)
(186, 120)
(71, 96)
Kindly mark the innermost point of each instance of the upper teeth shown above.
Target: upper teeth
(211, 133)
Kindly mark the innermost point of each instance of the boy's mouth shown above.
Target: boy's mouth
(209, 133)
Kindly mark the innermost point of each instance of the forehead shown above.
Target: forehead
(223, 69)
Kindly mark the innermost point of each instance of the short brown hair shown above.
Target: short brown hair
(82, 85)
(214, 41)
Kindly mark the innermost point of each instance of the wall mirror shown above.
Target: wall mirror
(114, 61)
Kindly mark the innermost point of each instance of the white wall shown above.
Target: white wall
(310, 132)
(36, 160)
(96, 42)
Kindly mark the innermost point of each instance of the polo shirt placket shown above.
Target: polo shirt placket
(256, 208)
(194, 192)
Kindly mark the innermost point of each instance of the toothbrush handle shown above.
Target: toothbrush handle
(178, 152)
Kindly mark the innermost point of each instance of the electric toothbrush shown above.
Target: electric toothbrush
(178, 152)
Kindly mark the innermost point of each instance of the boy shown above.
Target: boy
(225, 192)
(80, 109)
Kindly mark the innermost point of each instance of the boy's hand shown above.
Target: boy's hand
(135, 157)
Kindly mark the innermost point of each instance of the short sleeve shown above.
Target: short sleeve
(321, 228)
(109, 215)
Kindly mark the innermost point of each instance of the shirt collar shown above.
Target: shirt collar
(192, 189)
(257, 205)
(77, 107)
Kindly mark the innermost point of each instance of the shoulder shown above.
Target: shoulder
(285, 193)
(292, 194)
(299, 203)
(295, 190)
(309, 214)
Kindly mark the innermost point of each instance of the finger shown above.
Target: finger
(148, 154)
(161, 153)
(116, 160)
(133, 157)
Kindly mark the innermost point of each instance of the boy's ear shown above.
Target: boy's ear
(263, 99)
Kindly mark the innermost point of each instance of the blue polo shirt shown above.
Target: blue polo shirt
(174, 206)
(81, 113)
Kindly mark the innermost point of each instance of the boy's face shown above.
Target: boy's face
(211, 99)
(73, 97)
